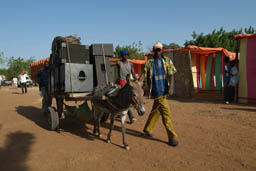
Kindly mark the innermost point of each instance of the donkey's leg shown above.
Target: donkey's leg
(123, 117)
(112, 117)
(95, 120)
(95, 117)
(98, 122)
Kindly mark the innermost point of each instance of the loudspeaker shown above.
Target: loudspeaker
(71, 78)
(78, 53)
(103, 72)
(102, 50)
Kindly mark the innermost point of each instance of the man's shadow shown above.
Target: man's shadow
(14, 153)
(67, 125)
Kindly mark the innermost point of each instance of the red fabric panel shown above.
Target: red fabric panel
(251, 68)
(136, 68)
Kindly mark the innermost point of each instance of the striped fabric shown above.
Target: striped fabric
(251, 68)
(243, 89)
(159, 78)
(247, 70)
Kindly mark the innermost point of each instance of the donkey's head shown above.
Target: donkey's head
(137, 96)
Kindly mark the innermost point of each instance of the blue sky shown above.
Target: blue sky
(27, 27)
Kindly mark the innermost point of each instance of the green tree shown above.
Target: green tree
(3, 71)
(218, 38)
(2, 59)
(134, 50)
(17, 65)
(171, 46)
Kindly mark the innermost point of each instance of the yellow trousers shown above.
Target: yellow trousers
(160, 108)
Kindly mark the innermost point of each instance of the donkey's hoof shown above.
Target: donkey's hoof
(100, 136)
(108, 140)
(127, 147)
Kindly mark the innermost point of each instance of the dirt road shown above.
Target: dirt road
(212, 136)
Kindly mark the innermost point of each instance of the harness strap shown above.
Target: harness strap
(70, 77)
(104, 58)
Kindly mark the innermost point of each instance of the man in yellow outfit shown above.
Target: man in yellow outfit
(157, 73)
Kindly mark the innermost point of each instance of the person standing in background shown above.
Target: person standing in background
(226, 79)
(23, 82)
(1, 81)
(233, 81)
(42, 80)
(15, 82)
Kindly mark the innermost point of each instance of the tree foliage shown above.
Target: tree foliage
(16, 66)
(3, 71)
(171, 46)
(218, 38)
(135, 50)
(2, 59)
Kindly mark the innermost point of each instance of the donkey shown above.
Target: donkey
(117, 105)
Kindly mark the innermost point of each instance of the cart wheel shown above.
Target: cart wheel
(53, 118)
(104, 118)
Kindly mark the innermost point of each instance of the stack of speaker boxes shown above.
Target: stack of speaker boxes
(76, 68)
(103, 72)
(70, 69)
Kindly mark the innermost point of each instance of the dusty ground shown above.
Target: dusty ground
(212, 136)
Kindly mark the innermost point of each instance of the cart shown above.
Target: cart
(73, 69)
(81, 112)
